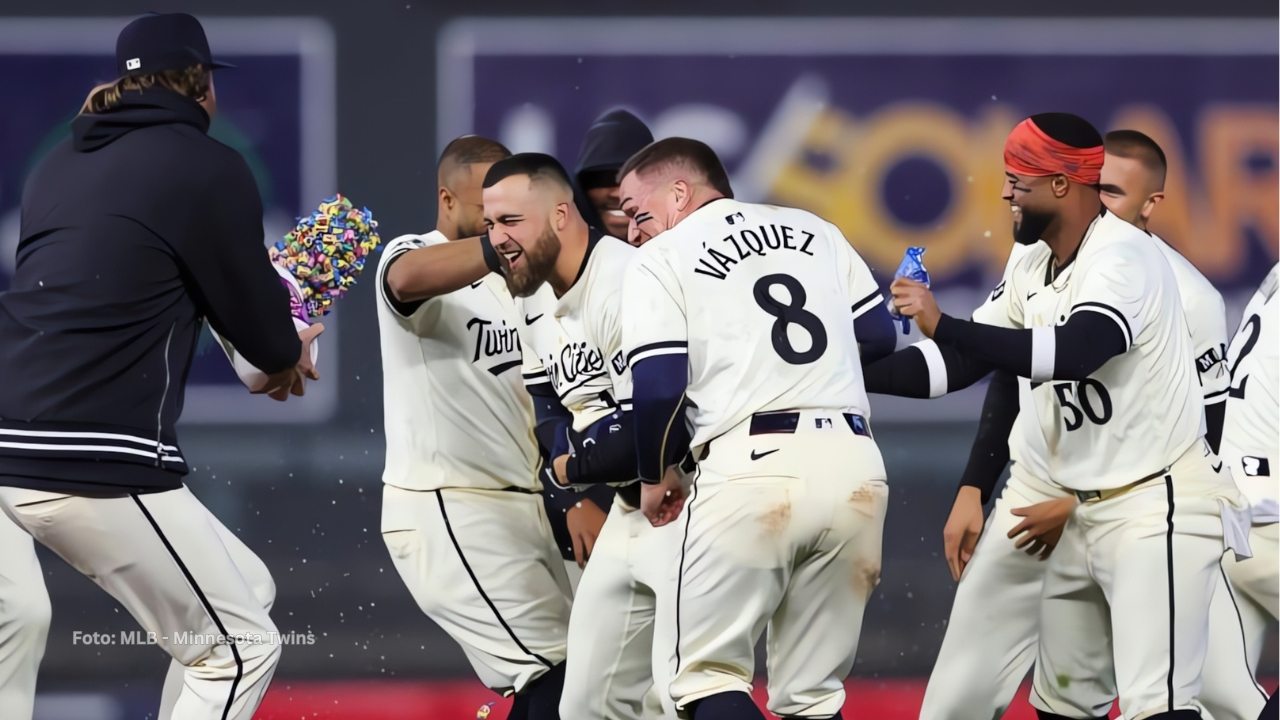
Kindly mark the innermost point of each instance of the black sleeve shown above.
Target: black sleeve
(990, 452)
(907, 373)
(1214, 415)
(877, 335)
(551, 420)
(605, 452)
(230, 275)
(1079, 347)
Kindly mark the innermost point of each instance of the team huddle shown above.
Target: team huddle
(629, 431)
(705, 363)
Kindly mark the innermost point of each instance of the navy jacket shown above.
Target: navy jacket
(134, 230)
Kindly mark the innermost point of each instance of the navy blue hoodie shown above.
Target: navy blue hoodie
(134, 230)
(611, 140)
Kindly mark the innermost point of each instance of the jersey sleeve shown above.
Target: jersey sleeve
(421, 314)
(654, 322)
(1003, 307)
(607, 327)
(864, 291)
(1117, 286)
(1207, 321)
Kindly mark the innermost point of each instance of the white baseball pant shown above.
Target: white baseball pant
(616, 666)
(24, 621)
(1131, 582)
(782, 531)
(162, 556)
(992, 634)
(483, 566)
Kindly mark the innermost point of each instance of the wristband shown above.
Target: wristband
(490, 254)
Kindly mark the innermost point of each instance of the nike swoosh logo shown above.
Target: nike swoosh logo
(531, 320)
(476, 284)
(757, 455)
(1217, 468)
(1031, 295)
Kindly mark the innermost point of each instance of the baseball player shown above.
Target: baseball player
(991, 638)
(567, 277)
(134, 231)
(1091, 319)
(461, 512)
(749, 316)
(1249, 444)
(611, 139)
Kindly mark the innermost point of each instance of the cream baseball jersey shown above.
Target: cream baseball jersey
(575, 341)
(760, 297)
(1251, 429)
(1143, 408)
(455, 412)
(1206, 321)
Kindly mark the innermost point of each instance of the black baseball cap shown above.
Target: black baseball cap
(163, 41)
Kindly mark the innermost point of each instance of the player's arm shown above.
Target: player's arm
(1207, 320)
(990, 451)
(872, 327)
(877, 336)
(231, 277)
(415, 276)
(655, 335)
(610, 456)
(1072, 351)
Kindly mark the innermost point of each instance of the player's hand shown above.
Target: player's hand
(278, 385)
(584, 519)
(913, 300)
(308, 336)
(561, 468)
(964, 527)
(661, 502)
(1041, 526)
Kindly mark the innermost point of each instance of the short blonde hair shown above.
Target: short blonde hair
(191, 81)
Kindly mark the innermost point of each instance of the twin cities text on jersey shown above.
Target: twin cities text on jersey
(493, 339)
(577, 360)
(747, 242)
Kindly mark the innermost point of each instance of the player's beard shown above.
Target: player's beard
(1031, 226)
(537, 262)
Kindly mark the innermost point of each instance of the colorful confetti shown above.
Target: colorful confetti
(324, 254)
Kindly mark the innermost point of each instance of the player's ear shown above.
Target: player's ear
(1149, 206)
(1059, 185)
(682, 193)
(447, 199)
(560, 216)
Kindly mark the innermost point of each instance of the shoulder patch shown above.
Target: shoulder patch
(619, 363)
(1206, 361)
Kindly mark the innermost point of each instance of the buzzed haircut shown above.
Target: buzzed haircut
(1138, 146)
(471, 150)
(1067, 128)
(680, 151)
(538, 166)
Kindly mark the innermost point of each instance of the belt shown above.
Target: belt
(1092, 496)
(789, 422)
(526, 491)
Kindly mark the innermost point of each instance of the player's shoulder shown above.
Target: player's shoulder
(413, 241)
(1193, 286)
(1267, 290)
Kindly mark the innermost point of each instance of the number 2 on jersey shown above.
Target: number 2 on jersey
(1254, 327)
(1069, 393)
(788, 314)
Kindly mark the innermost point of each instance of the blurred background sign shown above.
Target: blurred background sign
(893, 128)
(276, 109)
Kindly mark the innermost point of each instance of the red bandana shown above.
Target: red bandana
(1029, 151)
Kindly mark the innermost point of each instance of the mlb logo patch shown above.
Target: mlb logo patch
(1255, 466)
(133, 63)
